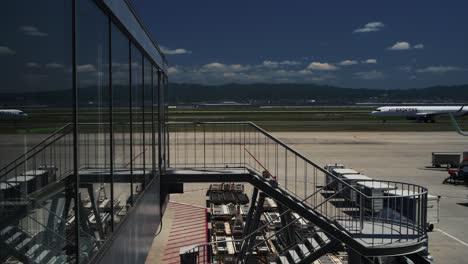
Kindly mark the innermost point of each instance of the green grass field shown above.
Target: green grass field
(45, 121)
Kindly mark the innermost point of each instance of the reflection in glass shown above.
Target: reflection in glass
(94, 129)
(120, 47)
(138, 135)
(35, 80)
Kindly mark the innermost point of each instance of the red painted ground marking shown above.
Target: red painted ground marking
(169, 254)
(187, 223)
(188, 243)
(177, 237)
(178, 227)
(187, 237)
(187, 219)
(177, 249)
(183, 210)
(174, 262)
(197, 240)
(207, 237)
(173, 257)
(184, 225)
(183, 240)
(177, 206)
(179, 203)
(188, 216)
(186, 211)
(187, 230)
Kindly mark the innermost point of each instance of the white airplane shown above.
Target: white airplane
(420, 113)
(12, 115)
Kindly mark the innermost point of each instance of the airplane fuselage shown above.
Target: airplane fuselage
(12, 115)
(423, 113)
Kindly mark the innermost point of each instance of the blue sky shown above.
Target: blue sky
(371, 44)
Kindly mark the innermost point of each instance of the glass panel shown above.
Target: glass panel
(36, 135)
(137, 119)
(121, 119)
(148, 101)
(94, 130)
(156, 83)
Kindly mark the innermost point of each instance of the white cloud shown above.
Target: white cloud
(4, 50)
(275, 64)
(319, 66)
(369, 75)
(54, 65)
(174, 51)
(370, 61)
(440, 69)
(85, 68)
(33, 65)
(216, 66)
(172, 70)
(32, 31)
(218, 73)
(347, 62)
(401, 45)
(370, 27)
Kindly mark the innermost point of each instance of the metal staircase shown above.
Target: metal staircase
(36, 205)
(341, 212)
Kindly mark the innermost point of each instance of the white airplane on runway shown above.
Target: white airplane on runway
(12, 115)
(420, 113)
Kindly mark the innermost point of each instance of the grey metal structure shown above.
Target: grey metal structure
(371, 225)
(83, 192)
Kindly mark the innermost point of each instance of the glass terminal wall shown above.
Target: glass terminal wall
(82, 111)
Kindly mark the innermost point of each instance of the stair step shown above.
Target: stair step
(6, 230)
(23, 243)
(33, 249)
(303, 250)
(323, 236)
(43, 256)
(313, 243)
(52, 260)
(11, 240)
(58, 260)
(294, 257)
(283, 260)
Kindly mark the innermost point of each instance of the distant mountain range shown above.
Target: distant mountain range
(306, 92)
(250, 93)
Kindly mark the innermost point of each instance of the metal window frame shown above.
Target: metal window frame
(132, 41)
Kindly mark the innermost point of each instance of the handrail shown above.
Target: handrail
(25, 154)
(265, 133)
(243, 149)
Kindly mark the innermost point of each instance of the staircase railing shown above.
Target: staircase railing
(373, 219)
